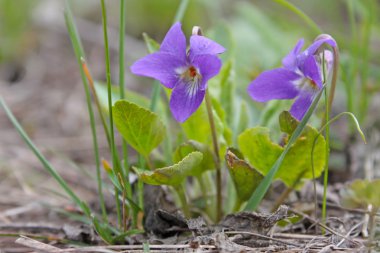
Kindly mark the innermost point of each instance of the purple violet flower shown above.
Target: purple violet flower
(300, 77)
(186, 72)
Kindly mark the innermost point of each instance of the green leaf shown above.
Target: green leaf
(142, 129)
(245, 178)
(258, 148)
(190, 146)
(287, 123)
(362, 193)
(151, 44)
(227, 90)
(197, 127)
(173, 175)
(262, 152)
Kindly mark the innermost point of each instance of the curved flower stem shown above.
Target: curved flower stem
(217, 157)
(329, 100)
(326, 172)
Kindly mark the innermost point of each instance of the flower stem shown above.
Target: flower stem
(328, 104)
(182, 198)
(216, 157)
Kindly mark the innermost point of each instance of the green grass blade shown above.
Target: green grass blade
(301, 14)
(49, 168)
(79, 53)
(181, 11)
(122, 84)
(259, 193)
(115, 160)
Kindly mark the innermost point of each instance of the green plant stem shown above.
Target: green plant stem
(216, 157)
(122, 86)
(128, 187)
(182, 198)
(364, 96)
(301, 14)
(155, 95)
(140, 185)
(115, 160)
(79, 53)
(96, 99)
(328, 104)
(237, 205)
(118, 208)
(44, 161)
(181, 11)
(351, 77)
(205, 194)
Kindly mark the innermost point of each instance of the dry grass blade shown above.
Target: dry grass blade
(323, 226)
(34, 244)
(264, 237)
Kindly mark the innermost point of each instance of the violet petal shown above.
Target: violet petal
(274, 84)
(312, 49)
(312, 70)
(175, 42)
(185, 100)
(200, 45)
(301, 105)
(290, 61)
(160, 66)
(208, 66)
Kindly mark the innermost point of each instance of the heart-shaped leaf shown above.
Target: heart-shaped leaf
(141, 128)
(190, 146)
(173, 175)
(362, 193)
(245, 178)
(262, 152)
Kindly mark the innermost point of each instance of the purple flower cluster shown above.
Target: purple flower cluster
(300, 77)
(186, 72)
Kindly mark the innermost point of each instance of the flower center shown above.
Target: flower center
(191, 77)
(312, 84)
(192, 72)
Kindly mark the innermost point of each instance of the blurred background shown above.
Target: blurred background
(40, 78)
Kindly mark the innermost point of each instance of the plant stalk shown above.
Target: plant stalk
(79, 52)
(328, 104)
(216, 157)
(182, 198)
(115, 161)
